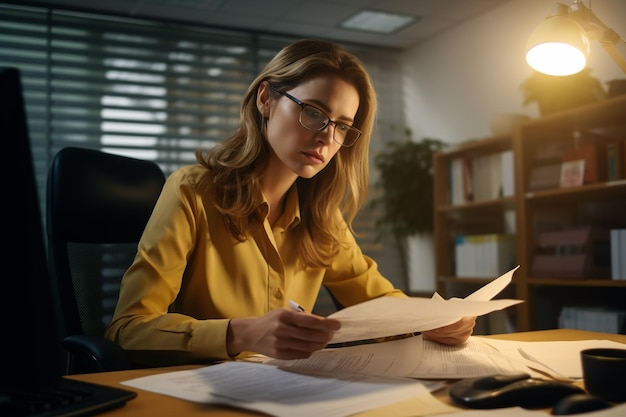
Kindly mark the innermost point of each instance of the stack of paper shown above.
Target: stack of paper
(377, 378)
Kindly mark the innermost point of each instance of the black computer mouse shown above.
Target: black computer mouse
(497, 391)
(579, 403)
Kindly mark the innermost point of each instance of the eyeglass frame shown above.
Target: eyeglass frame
(303, 105)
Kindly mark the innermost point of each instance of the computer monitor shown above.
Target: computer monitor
(30, 365)
(32, 353)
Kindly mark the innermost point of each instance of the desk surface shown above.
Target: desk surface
(151, 404)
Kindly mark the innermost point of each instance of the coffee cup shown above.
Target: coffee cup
(604, 373)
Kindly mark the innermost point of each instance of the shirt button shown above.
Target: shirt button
(278, 294)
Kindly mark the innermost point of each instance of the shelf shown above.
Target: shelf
(605, 117)
(479, 205)
(475, 147)
(558, 282)
(465, 280)
(531, 213)
(583, 191)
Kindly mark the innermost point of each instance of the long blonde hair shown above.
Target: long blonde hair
(237, 162)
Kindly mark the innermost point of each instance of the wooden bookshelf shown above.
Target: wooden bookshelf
(540, 204)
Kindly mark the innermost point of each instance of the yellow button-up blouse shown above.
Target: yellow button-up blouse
(190, 275)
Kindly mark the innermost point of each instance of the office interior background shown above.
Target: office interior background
(445, 75)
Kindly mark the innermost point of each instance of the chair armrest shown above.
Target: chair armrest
(107, 355)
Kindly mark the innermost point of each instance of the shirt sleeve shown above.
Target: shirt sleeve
(353, 277)
(142, 324)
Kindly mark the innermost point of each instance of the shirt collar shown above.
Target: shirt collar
(291, 216)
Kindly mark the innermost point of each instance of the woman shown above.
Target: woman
(263, 218)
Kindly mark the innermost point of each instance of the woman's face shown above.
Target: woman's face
(296, 149)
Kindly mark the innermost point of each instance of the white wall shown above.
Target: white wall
(455, 82)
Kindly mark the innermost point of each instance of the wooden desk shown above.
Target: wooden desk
(151, 404)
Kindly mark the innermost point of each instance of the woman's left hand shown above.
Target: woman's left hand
(452, 334)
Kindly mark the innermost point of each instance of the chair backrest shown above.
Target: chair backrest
(97, 207)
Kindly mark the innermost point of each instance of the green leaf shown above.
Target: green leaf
(405, 183)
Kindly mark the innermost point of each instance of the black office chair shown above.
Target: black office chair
(97, 207)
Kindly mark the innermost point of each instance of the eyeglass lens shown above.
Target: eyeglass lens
(314, 119)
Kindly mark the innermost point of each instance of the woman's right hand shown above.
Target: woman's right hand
(452, 334)
(281, 334)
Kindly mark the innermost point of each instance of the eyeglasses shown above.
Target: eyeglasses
(314, 119)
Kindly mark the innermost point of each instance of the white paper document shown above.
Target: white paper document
(411, 357)
(278, 392)
(559, 359)
(416, 358)
(389, 316)
(493, 288)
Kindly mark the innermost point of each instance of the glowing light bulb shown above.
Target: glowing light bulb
(556, 58)
(558, 46)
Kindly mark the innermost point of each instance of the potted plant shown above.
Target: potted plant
(404, 191)
(558, 93)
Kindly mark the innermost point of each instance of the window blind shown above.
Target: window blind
(139, 88)
(155, 90)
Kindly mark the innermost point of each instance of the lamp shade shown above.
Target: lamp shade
(558, 46)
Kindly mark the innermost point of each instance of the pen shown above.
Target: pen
(296, 306)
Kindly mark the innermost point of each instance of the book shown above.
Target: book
(457, 195)
(592, 148)
(488, 173)
(616, 253)
(572, 173)
(597, 319)
(468, 181)
(591, 157)
(484, 255)
(508, 173)
(495, 176)
(579, 253)
(615, 163)
(622, 253)
(543, 176)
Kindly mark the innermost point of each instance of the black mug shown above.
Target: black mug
(604, 372)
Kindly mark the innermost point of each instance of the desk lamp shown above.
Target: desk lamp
(560, 44)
